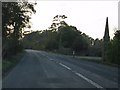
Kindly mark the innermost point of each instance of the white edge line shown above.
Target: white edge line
(80, 75)
(65, 66)
(88, 80)
(51, 59)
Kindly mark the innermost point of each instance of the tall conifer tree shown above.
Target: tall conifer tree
(106, 40)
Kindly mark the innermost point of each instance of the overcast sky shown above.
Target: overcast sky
(88, 16)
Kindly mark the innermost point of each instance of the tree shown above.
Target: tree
(15, 17)
(106, 41)
(67, 35)
(113, 55)
(116, 44)
(97, 47)
(58, 21)
(80, 44)
(60, 37)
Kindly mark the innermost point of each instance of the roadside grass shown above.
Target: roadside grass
(111, 64)
(88, 58)
(9, 63)
(97, 60)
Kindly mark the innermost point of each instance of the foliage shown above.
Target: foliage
(96, 48)
(79, 44)
(106, 41)
(63, 38)
(15, 17)
(9, 63)
(58, 21)
(113, 53)
(67, 35)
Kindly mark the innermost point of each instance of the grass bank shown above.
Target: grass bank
(89, 58)
(96, 59)
(111, 64)
(9, 63)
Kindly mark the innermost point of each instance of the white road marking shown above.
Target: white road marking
(74, 71)
(80, 75)
(88, 80)
(42, 54)
(51, 59)
(65, 66)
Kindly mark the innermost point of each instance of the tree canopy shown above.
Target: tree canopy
(15, 17)
(61, 37)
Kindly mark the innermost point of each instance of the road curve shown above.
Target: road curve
(39, 69)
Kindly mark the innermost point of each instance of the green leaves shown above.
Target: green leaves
(17, 16)
(58, 21)
(64, 38)
(112, 53)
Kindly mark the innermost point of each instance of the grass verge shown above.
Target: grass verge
(89, 58)
(97, 59)
(9, 63)
(111, 64)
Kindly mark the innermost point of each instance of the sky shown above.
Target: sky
(88, 16)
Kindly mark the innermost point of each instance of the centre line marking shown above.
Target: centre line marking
(83, 77)
(65, 66)
(90, 81)
(51, 59)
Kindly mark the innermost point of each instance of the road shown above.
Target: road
(39, 69)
